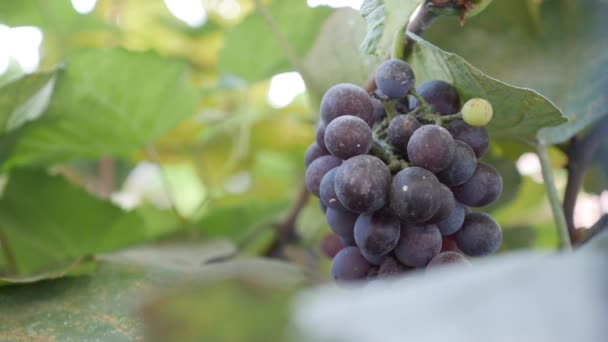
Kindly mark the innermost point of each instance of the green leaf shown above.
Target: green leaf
(48, 222)
(335, 56)
(251, 50)
(559, 48)
(107, 102)
(477, 6)
(23, 99)
(519, 113)
(384, 18)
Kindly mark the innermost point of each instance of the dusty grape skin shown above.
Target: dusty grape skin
(390, 267)
(452, 223)
(480, 235)
(317, 169)
(446, 207)
(347, 99)
(462, 167)
(415, 194)
(379, 112)
(418, 244)
(377, 233)
(327, 190)
(320, 135)
(375, 260)
(476, 137)
(400, 130)
(331, 245)
(448, 259)
(395, 78)
(483, 188)
(440, 95)
(313, 152)
(342, 223)
(348, 136)
(431, 147)
(362, 184)
(349, 265)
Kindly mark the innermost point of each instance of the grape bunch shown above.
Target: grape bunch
(397, 172)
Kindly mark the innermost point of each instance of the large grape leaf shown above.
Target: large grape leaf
(519, 113)
(559, 48)
(251, 50)
(107, 102)
(48, 222)
(18, 99)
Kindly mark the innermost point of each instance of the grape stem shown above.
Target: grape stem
(558, 213)
(394, 163)
(390, 109)
(423, 104)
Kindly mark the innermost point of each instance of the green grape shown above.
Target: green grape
(477, 112)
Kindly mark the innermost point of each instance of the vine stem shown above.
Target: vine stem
(558, 213)
(7, 252)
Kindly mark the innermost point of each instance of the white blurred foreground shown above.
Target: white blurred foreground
(519, 297)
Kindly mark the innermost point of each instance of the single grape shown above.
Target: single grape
(320, 135)
(448, 259)
(449, 244)
(377, 233)
(446, 207)
(342, 222)
(373, 259)
(476, 137)
(349, 265)
(317, 169)
(452, 223)
(348, 240)
(348, 136)
(440, 95)
(480, 235)
(327, 190)
(331, 245)
(390, 267)
(477, 112)
(379, 112)
(400, 130)
(418, 244)
(323, 207)
(462, 166)
(313, 152)
(431, 147)
(362, 184)
(395, 78)
(347, 99)
(483, 188)
(415, 194)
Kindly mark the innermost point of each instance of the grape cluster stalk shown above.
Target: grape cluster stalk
(397, 172)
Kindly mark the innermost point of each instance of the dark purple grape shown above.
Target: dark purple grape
(379, 112)
(327, 190)
(447, 259)
(362, 184)
(449, 244)
(373, 259)
(349, 265)
(390, 267)
(418, 244)
(395, 78)
(347, 99)
(446, 207)
(453, 222)
(476, 137)
(320, 136)
(400, 130)
(483, 188)
(317, 169)
(440, 95)
(431, 147)
(342, 222)
(348, 136)
(348, 241)
(480, 235)
(331, 245)
(313, 152)
(462, 166)
(377, 233)
(415, 194)
(323, 207)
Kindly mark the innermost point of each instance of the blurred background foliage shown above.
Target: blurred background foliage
(134, 121)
